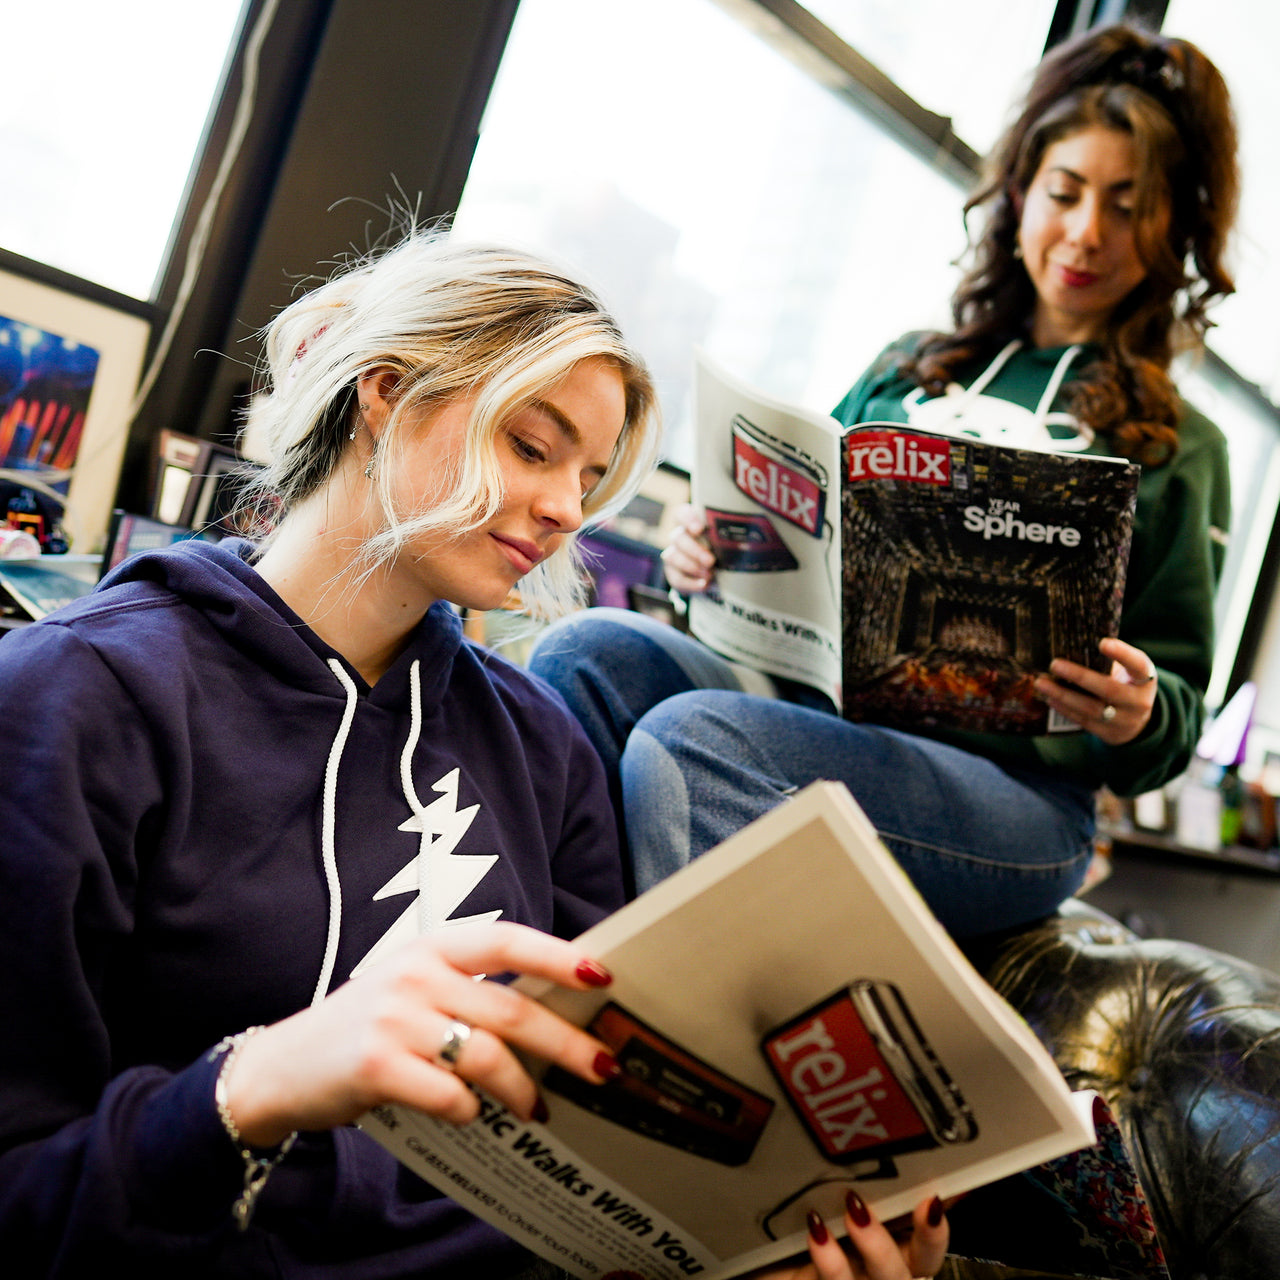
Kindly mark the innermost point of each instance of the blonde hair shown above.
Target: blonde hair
(488, 324)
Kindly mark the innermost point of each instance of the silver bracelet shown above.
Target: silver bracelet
(257, 1165)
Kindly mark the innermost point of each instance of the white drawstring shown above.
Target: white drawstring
(1055, 383)
(327, 847)
(426, 906)
(957, 400)
(979, 384)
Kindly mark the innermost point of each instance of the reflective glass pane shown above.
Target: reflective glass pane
(1242, 38)
(715, 194)
(103, 110)
(1255, 490)
(967, 61)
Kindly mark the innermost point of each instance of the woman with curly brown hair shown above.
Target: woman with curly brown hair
(1166, 107)
(1105, 213)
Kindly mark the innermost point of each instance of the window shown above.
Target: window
(716, 194)
(960, 60)
(1253, 435)
(721, 197)
(1242, 39)
(103, 112)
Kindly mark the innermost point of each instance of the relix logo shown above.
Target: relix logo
(777, 484)
(845, 1092)
(893, 455)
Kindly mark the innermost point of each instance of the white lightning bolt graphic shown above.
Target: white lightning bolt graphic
(443, 879)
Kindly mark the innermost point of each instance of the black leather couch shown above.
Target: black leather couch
(1184, 1044)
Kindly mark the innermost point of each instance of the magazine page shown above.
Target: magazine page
(967, 567)
(765, 473)
(39, 587)
(791, 1020)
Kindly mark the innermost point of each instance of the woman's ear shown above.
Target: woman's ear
(376, 394)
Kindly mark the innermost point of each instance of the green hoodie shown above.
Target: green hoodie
(1179, 544)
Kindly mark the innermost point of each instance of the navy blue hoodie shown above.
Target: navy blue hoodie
(206, 816)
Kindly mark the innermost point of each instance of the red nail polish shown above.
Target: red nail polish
(817, 1228)
(857, 1209)
(934, 1215)
(593, 974)
(540, 1112)
(606, 1065)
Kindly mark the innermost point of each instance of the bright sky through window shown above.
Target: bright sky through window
(103, 111)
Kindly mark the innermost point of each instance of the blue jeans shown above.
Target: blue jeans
(692, 757)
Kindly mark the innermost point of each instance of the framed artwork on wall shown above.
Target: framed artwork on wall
(198, 483)
(70, 363)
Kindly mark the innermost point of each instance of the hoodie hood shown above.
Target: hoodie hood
(219, 581)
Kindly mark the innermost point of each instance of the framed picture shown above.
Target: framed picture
(218, 503)
(198, 483)
(70, 362)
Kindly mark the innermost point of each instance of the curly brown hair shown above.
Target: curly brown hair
(1174, 103)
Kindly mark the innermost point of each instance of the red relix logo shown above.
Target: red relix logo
(777, 487)
(891, 455)
(845, 1092)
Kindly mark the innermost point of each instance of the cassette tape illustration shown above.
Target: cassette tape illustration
(864, 1080)
(668, 1094)
(747, 542)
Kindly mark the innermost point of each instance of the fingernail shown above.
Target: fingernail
(817, 1228)
(934, 1215)
(857, 1209)
(593, 974)
(540, 1112)
(606, 1065)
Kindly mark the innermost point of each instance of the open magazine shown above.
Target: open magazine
(791, 1021)
(915, 578)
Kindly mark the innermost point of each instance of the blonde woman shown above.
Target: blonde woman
(266, 812)
(242, 779)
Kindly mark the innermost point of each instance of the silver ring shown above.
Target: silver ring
(1108, 713)
(456, 1035)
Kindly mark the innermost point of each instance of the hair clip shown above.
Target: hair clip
(1172, 77)
(302, 351)
(1150, 70)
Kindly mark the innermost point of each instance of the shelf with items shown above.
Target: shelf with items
(1159, 847)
